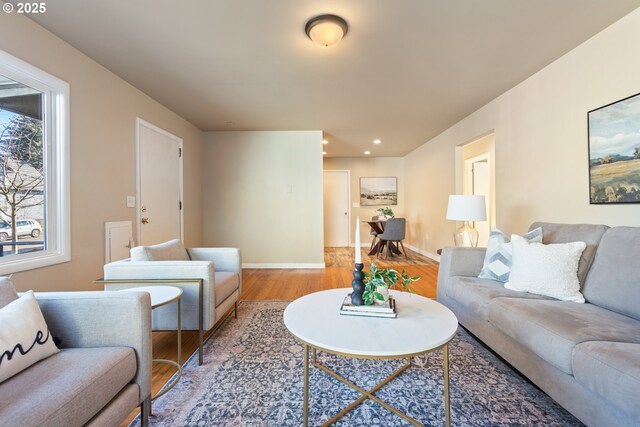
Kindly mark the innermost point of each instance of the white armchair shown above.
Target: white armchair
(211, 281)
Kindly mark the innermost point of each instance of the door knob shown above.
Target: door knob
(145, 220)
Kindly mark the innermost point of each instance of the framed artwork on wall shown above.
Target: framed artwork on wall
(378, 191)
(614, 152)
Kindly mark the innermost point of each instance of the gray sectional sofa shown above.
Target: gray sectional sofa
(585, 356)
(101, 374)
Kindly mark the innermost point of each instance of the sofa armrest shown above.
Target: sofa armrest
(103, 319)
(456, 261)
(225, 259)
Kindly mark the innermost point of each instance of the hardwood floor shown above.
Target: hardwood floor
(288, 285)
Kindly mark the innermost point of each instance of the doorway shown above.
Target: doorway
(336, 208)
(159, 184)
(477, 172)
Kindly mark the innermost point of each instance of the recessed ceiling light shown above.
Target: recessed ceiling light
(377, 141)
(367, 152)
(324, 153)
(324, 141)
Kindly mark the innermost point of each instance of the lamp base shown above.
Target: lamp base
(466, 236)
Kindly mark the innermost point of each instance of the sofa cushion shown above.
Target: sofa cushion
(498, 258)
(226, 284)
(475, 294)
(612, 370)
(549, 270)
(7, 291)
(173, 250)
(68, 388)
(551, 329)
(24, 336)
(564, 233)
(614, 278)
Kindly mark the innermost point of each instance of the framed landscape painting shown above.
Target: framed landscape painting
(379, 191)
(614, 152)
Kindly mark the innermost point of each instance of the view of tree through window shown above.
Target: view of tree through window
(22, 174)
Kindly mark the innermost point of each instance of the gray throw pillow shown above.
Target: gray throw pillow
(7, 291)
(173, 250)
(498, 258)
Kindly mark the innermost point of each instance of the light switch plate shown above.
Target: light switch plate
(131, 201)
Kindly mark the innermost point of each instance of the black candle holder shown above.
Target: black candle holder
(358, 285)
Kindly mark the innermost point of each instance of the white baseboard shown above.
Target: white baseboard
(285, 265)
(423, 252)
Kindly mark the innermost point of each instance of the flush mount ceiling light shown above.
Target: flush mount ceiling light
(367, 153)
(377, 141)
(325, 142)
(326, 30)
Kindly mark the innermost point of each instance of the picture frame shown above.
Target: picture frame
(614, 152)
(379, 191)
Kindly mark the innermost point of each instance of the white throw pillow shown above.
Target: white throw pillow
(549, 270)
(173, 250)
(498, 258)
(24, 336)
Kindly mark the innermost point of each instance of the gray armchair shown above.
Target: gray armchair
(101, 374)
(211, 282)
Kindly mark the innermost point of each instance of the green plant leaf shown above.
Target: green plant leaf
(379, 296)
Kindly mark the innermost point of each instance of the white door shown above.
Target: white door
(159, 185)
(336, 208)
(481, 186)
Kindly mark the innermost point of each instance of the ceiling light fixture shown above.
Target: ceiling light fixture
(367, 152)
(325, 142)
(324, 153)
(326, 30)
(377, 141)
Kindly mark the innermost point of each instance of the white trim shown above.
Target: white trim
(348, 201)
(141, 122)
(275, 265)
(57, 165)
(423, 252)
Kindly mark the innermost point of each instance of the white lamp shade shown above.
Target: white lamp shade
(466, 208)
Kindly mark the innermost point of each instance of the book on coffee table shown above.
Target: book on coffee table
(388, 309)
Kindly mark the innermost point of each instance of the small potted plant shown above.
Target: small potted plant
(378, 281)
(385, 212)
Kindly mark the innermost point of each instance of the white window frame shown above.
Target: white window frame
(55, 133)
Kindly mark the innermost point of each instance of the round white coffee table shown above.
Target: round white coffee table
(422, 326)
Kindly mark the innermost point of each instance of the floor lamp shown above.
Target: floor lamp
(466, 208)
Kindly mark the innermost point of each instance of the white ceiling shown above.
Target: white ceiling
(406, 71)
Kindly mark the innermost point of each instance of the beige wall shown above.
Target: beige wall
(262, 192)
(103, 112)
(368, 167)
(540, 142)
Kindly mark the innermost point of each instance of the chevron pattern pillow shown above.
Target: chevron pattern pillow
(498, 259)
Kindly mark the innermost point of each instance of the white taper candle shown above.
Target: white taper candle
(358, 256)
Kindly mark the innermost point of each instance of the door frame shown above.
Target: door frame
(139, 123)
(348, 204)
(469, 172)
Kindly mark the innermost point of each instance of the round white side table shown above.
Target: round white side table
(163, 295)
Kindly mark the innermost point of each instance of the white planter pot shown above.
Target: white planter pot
(385, 293)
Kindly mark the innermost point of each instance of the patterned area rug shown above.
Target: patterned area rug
(252, 376)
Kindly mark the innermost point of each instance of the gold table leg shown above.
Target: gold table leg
(447, 404)
(366, 394)
(306, 385)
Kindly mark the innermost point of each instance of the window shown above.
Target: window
(34, 167)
